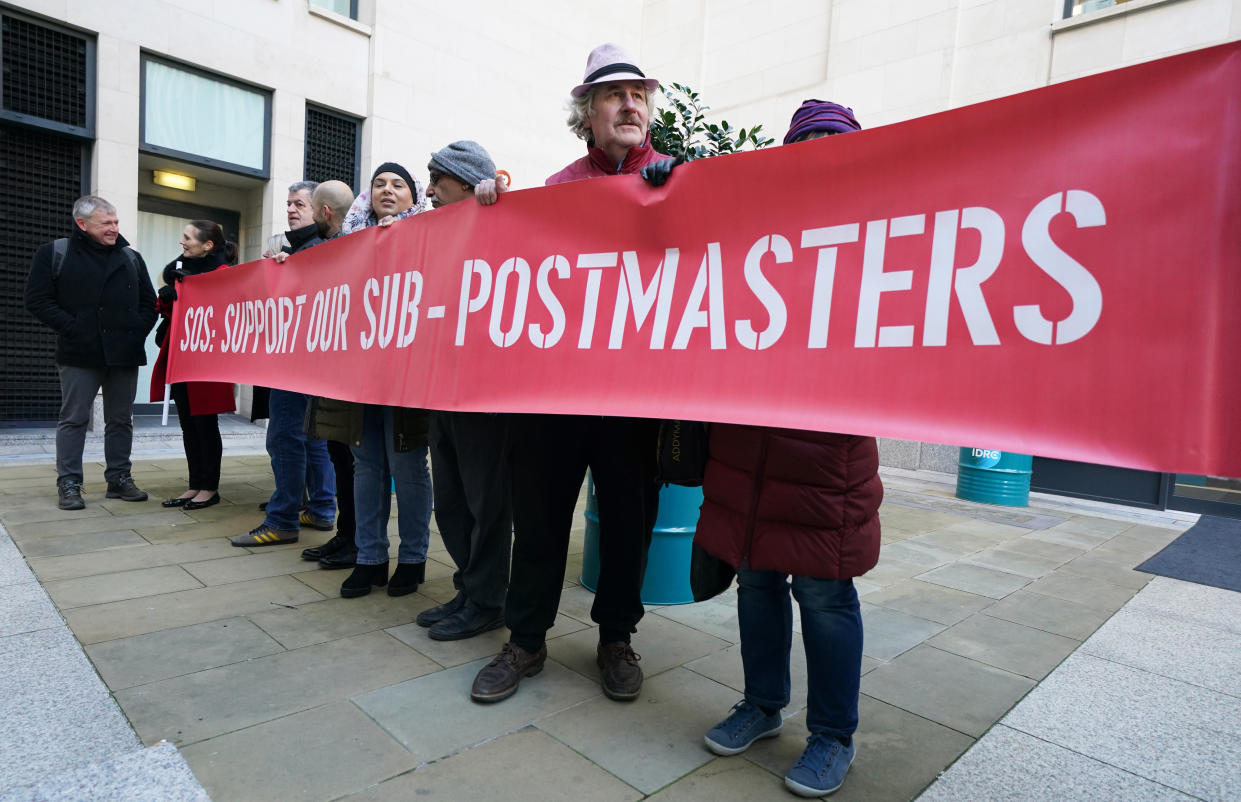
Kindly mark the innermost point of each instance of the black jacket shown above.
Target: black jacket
(299, 240)
(302, 238)
(101, 305)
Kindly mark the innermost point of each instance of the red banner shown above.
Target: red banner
(1054, 273)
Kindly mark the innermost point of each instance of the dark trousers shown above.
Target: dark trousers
(473, 509)
(342, 463)
(549, 460)
(78, 387)
(201, 436)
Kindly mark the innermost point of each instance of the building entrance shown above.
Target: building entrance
(160, 223)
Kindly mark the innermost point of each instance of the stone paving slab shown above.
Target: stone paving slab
(1045, 773)
(143, 659)
(313, 748)
(1128, 716)
(675, 709)
(898, 753)
(198, 706)
(66, 716)
(976, 697)
(1010, 647)
(432, 715)
(1090, 706)
(157, 774)
(523, 766)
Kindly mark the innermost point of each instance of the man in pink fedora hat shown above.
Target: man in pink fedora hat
(610, 109)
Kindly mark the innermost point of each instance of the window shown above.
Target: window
(205, 119)
(48, 75)
(332, 144)
(46, 126)
(1072, 8)
(346, 8)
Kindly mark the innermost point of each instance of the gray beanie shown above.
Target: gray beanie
(465, 160)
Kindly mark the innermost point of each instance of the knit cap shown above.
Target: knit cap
(821, 115)
(393, 167)
(464, 159)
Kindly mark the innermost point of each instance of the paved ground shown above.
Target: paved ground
(272, 687)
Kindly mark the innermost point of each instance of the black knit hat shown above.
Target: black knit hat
(393, 167)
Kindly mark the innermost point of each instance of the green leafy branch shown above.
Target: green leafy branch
(681, 129)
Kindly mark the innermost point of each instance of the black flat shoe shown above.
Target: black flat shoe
(198, 505)
(174, 502)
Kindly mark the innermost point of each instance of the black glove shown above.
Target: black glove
(172, 274)
(657, 173)
(168, 293)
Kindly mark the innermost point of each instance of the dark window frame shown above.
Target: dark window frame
(195, 158)
(83, 132)
(357, 138)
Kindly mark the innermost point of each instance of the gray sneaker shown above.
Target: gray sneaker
(70, 492)
(821, 769)
(125, 489)
(745, 725)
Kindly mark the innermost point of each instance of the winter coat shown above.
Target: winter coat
(299, 240)
(597, 164)
(341, 421)
(803, 503)
(329, 419)
(101, 305)
(302, 238)
(206, 398)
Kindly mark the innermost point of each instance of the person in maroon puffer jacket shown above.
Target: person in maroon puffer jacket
(781, 502)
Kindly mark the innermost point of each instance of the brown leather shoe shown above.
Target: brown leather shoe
(498, 679)
(622, 677)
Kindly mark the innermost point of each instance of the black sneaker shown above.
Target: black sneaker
(125, 489)
(70, 492)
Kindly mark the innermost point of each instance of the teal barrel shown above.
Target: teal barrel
(994, 477)
(667, 562)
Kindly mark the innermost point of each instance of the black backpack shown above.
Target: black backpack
(61, 246)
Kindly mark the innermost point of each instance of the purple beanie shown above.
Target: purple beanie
(821, 115)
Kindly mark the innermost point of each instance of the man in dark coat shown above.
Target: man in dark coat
(469, 460)
(297, 462)
(94, 291)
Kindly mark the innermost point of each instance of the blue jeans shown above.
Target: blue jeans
(831, 624)
(296, 463)
(375, 464)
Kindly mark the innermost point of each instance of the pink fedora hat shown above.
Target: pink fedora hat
(609, 62)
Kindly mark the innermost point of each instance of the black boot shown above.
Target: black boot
(406, 578)
(339, 541)
(345, 558)
(363, 578)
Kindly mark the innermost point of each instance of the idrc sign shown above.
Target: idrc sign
(985, 457)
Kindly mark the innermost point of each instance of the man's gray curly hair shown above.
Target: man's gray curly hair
(582, 109)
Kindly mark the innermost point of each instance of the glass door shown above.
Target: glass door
(1213, 495)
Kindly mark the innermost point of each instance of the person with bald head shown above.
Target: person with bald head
(329, 204)
(331, 201)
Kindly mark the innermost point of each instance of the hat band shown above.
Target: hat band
(612, 69)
